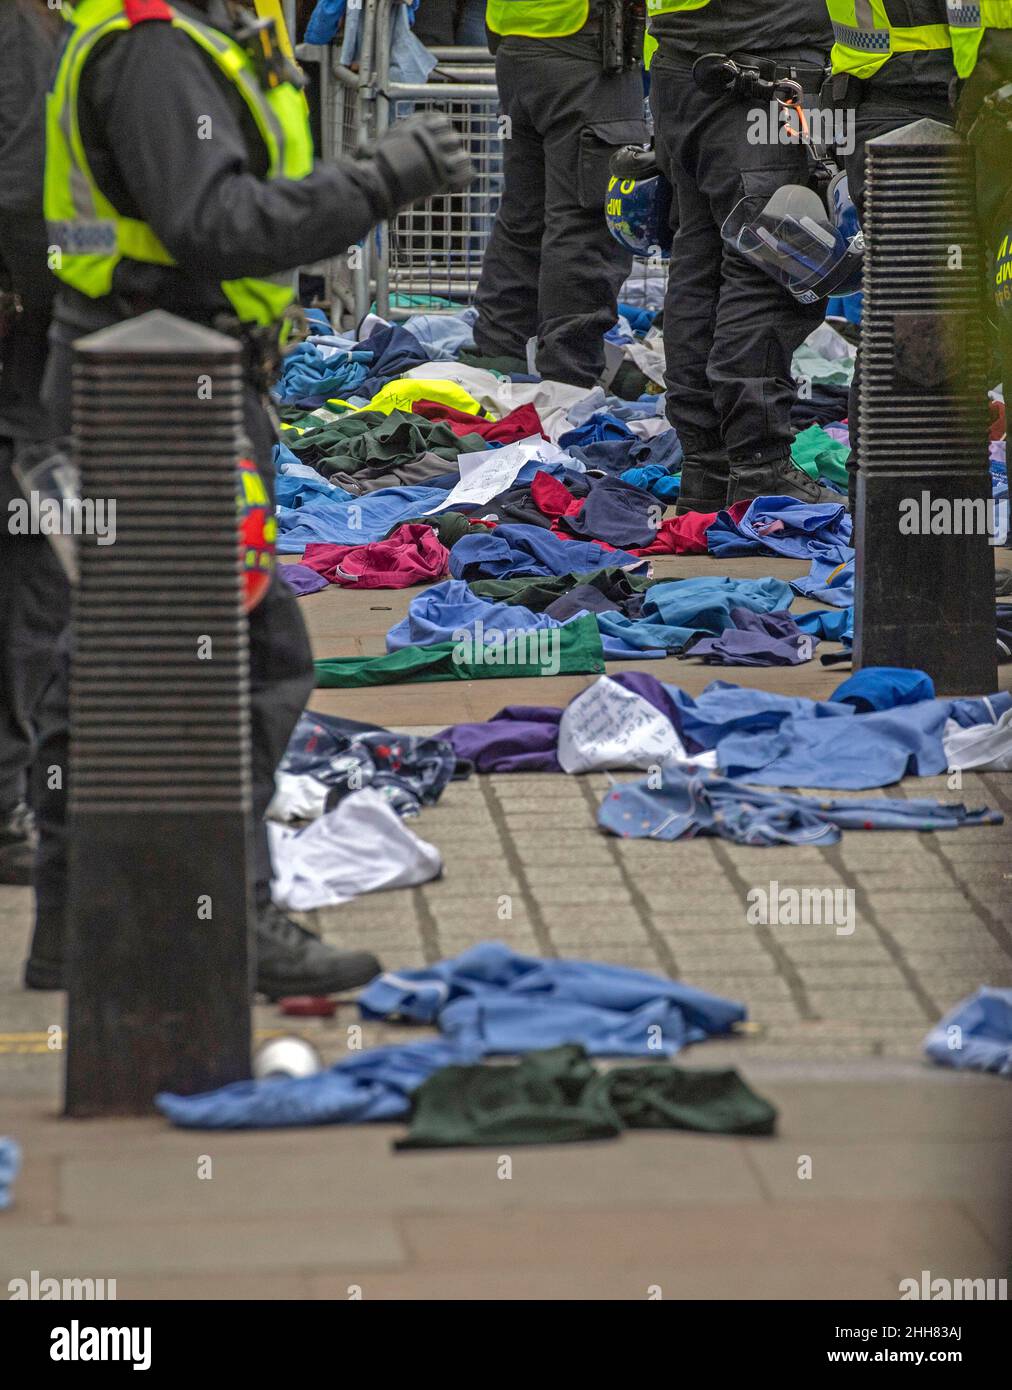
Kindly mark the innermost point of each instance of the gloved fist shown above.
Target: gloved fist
(421, 156)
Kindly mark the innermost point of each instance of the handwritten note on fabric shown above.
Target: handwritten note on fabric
(611, 727)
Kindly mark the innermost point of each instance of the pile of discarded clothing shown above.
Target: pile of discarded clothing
(535, 507)
(553, 1014)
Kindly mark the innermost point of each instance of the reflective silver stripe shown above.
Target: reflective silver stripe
(251, 91)
(865, 40)
(81, 193)
(963, 16)
(85, 236)
(864, 15)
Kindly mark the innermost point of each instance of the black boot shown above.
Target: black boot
(704, 481)
(17, 845)
(777, 478)
(291, 960)
(44, 966)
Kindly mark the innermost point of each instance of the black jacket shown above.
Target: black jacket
(790, 28)
(146, 95)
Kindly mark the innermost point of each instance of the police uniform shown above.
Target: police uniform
(891, 65)
(33, 589)
(982, 51)
(730, 331)
(551, 270)
(179, 175)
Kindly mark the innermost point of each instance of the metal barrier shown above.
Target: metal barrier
(434, 249)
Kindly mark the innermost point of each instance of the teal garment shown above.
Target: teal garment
(675, 611)
(557, 1096)
(820, 456)
(573, 649)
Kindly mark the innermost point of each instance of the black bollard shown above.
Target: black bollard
(925, 568)
(159, 885)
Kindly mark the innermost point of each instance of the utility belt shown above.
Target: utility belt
(810, 77)
(746, 77)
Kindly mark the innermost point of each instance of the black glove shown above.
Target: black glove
(421, 156)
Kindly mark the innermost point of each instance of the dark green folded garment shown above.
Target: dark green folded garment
(366, 438)
(502, 366)
(573, 649)
(448, 526)
(537, 594)
(556, 1096)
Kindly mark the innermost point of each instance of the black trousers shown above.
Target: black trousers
(730, 331)
(34, 600)
(552, 270)
(878, 111)
(33, 588)
(281, 680)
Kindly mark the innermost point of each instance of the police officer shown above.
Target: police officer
(551, 270)
(179, 175)
(33, 597)
(730, 331)
(891, 65)
(982, 49)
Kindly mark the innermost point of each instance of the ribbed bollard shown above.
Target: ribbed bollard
(159, 889)
(925, 588)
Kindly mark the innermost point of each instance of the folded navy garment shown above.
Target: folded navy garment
(617, 513)
(528, 550)
(824, 404)
(616, 455)
(756, 639)
(394, 352)
(686, 805)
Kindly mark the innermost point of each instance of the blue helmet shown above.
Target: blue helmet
(638, 206)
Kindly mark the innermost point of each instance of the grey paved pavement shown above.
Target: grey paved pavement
(910, 1166)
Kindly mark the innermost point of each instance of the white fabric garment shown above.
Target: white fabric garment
(299, 797)
(611, 727)
(829, 344)
(551, 399)
(649, 426)
(359, 847)
(484, 475)
(985, 747)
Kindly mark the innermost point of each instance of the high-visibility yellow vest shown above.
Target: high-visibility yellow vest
(90, 234)
(537, 19)
(969, 22)
(866, 38)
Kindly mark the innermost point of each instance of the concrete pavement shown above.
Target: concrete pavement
(909, 1166)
